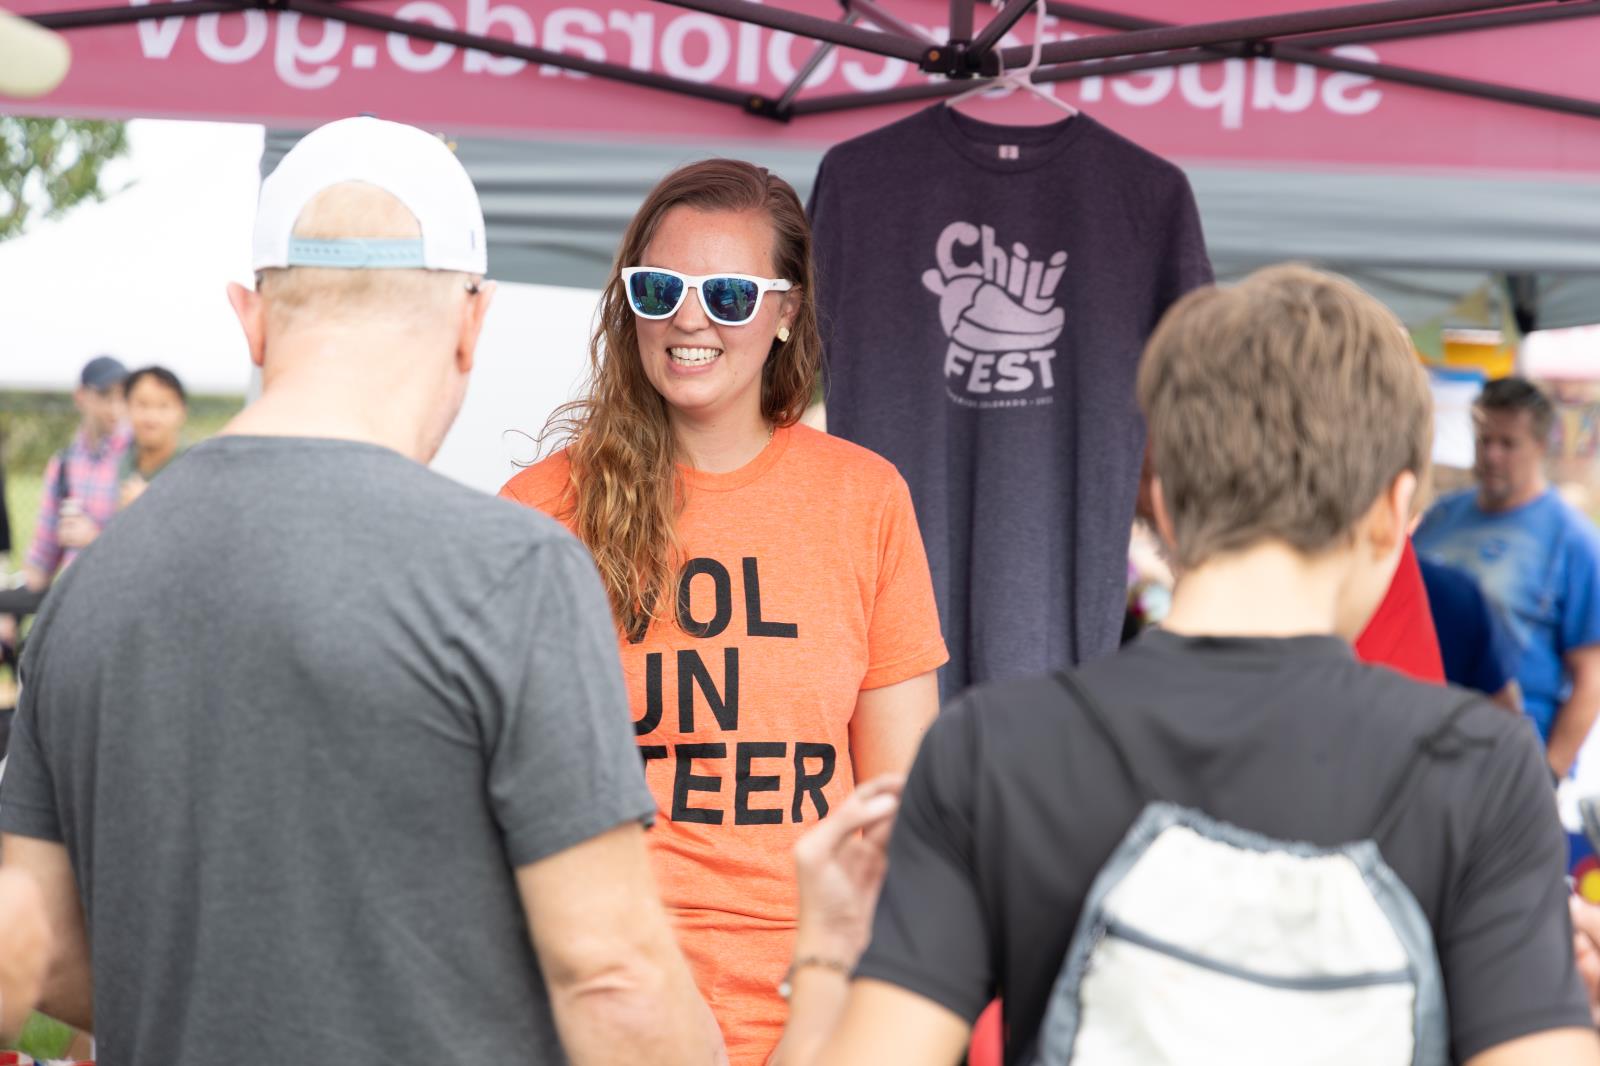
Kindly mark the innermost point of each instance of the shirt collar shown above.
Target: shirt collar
(116, 442)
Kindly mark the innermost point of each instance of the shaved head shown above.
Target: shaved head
(300, 297)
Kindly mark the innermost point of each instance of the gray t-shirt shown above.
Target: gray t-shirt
(296, 718)
(985, 293)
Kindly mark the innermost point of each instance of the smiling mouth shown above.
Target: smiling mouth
(693, 356)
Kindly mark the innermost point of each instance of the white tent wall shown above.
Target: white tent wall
(556, 211)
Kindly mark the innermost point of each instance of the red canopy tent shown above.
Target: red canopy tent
(1334, 134)
(1397, 83)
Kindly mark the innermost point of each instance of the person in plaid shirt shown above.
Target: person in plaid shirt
(81, 498)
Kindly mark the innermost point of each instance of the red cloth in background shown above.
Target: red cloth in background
(988, 1039)
(1401, 632)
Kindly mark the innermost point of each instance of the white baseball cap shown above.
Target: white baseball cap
(414, 167)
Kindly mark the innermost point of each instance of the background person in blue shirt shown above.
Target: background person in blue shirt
(1535, 557)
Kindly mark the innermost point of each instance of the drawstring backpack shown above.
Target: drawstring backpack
(1203, 944)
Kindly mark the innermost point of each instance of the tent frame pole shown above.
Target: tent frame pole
(891, 44)
(888, 21)
(813, 61)
(1434, 27)
(818, 105)
(1256, 28)
(1490, 20)
(1140, 44)
(116, 16)
(1299, 52)
(961, 18)
(1000, 25)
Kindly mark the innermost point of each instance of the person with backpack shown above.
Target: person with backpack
(1230, 842)
(81, 490)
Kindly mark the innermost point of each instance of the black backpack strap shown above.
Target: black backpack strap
(63, 484)
(1443, 743)
(1102, 724)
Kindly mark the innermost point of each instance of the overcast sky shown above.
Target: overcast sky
(143, 275)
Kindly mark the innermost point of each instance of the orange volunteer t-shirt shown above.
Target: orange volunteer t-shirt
(806, 583)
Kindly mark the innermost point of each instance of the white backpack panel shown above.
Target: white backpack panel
(1203, 944)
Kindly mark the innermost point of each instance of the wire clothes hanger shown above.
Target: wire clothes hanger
(1020, 79)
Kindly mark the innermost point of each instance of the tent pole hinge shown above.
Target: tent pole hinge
(953, 60)
(766, 107)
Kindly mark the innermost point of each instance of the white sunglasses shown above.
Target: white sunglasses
(728, 299)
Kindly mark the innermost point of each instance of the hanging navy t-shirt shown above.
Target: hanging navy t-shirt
(985, 293)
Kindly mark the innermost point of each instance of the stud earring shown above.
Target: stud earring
(783, 334)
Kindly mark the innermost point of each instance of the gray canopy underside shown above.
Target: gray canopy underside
(556, 211)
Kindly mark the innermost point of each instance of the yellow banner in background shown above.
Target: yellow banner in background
(1483, 350)
(1491, 350)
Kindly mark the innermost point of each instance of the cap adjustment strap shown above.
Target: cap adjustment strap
(356, 253)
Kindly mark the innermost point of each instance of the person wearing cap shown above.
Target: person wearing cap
(81, 482)
(369, 792)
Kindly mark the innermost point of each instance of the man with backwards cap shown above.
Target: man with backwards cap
(369, 791)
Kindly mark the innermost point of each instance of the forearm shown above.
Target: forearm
(642, 1011)
(1569, 1047)
(870, 760)
(817, 997)
(888, 724)
(618, 985)
(1572, 723)
(65, 988)
(69, 991)
(36, 578)
(44, 551)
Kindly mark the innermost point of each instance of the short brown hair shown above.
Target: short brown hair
(1281, 408)
(1520, 394)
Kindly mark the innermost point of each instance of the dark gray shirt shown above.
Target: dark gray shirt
(296, 717)
(1016, 801)
(985, 293)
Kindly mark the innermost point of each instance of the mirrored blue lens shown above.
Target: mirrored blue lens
(732, 300)
(654, 293)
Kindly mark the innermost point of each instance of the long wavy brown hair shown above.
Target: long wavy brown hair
(626, 493)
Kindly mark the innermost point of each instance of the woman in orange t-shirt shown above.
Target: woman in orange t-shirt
(775, 611)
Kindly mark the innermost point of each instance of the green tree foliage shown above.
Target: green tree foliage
(48, 166)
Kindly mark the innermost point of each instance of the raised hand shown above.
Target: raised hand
(841, 864)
